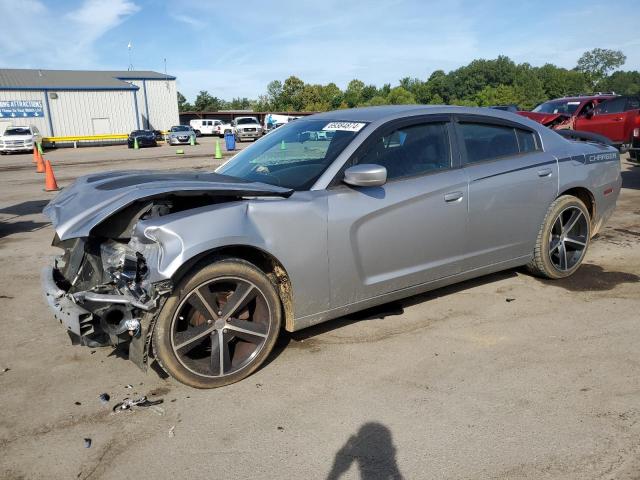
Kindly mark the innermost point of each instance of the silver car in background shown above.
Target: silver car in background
(327, 215)
(181, 135)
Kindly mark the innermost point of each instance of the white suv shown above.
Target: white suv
(19, 139)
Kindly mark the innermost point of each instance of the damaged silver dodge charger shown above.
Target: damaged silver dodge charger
(325, 216)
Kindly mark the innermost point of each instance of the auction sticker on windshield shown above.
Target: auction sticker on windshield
(344, 126)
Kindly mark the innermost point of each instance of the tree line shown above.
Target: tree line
(480, 83)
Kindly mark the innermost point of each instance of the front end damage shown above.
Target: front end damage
(106, 288)
(102, 292)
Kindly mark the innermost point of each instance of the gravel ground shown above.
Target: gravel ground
(506, 376)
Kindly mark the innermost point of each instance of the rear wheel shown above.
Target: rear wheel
(563, 239)
(219, 326)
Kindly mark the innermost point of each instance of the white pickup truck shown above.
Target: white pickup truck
(247, 128)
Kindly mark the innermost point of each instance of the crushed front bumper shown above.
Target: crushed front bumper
(65, 310)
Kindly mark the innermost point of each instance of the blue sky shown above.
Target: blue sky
(236, 48)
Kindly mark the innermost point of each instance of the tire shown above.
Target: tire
(563, 239)
(200, 327)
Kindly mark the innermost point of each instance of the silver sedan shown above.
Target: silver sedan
(327, 215)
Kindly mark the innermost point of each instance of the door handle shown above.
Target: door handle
(618, 119)
(545, 172)
(453, 196)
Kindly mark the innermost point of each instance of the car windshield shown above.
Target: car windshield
(293, 156)
(558, 106)
(17, 131)
(180, 128)
(242, 121)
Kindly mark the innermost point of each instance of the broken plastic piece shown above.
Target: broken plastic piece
(104, 398)
(128, 403)
(87, 443)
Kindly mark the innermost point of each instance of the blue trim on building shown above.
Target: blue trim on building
(135, 104)
(67, 89)
(46, 104)
(146, 103)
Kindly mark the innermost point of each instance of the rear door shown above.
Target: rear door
(608, 120)
(512, 182)
(407, 232)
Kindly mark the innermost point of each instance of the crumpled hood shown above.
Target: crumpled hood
(93, 198)
(543, 118)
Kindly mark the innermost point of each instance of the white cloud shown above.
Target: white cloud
(189, 20)
(33, 35)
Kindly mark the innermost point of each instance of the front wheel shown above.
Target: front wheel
(219, 325)
(563, 239)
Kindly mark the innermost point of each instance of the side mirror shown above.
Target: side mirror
(365, 175)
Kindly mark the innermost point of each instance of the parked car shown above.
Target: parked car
(19, 139)
(562, 112)
(507, 108)
(617, 119)
(202, 270)
(224, 127)
(206, 126)
(158, 135)
(181, 135)
(146, 138)
(247, 128)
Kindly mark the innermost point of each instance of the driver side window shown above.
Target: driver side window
(411, 151)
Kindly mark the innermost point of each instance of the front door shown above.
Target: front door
(608, 120)
(410, 231)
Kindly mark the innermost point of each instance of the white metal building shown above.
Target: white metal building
(64, 103)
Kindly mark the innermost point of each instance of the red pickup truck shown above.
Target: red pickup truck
(615, 117)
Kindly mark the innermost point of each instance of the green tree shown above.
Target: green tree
(353, 93)
(597, 63)
(205, 102)
(624, 83)
(274, 95)
(292, 94)
(183, 105)
(400, 96)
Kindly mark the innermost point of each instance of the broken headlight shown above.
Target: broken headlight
(120, 263)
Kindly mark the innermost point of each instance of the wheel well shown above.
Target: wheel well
(587, 198)
(261, 259)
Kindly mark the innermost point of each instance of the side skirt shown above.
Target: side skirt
(310, 320)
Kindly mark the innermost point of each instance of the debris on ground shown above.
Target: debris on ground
(87, 443)
(129, 403)
(172, 432)
(5, 370)
(281, 428)
(104, 398)
(509, 300)
(128, 386)
(78, 403)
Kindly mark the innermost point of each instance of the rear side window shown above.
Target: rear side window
(611, 106)
(633, 103)
(486, 142)
(526, 141)
(411, 151)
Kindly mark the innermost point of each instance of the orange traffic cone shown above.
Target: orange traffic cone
(39, 164)
(50, 184)
(35, 154)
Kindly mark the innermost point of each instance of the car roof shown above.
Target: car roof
(583, 98)
(390, 112)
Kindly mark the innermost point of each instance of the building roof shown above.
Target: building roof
(25, 79)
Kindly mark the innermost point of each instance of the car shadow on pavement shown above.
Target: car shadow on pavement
(372, 449)
(30, 207)
(7, 229)
(631, 178)
(393, 308)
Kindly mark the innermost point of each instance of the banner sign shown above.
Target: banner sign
(21, 108)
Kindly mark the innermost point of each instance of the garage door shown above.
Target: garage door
(101, 126)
